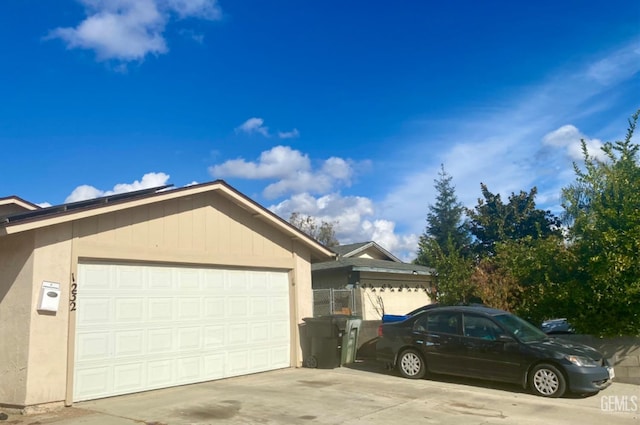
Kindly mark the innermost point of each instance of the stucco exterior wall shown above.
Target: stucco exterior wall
(16, 275)
(399, 295)
(48, 331)
(203, 230)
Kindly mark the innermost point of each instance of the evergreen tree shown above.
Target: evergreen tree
(446, 232)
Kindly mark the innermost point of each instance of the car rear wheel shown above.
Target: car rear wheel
(411, 365)
(547, 381)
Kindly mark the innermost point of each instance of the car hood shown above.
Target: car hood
(565, 347)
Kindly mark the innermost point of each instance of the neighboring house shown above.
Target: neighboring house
(380, 279)
(154, 288)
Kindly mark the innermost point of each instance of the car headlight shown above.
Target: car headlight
(581, 361)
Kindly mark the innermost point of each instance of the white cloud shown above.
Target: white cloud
(354, 219)
(128, 30)
(289, 134)
(149, 180)
(620, 65)
(253, 125)
(291, 168)
(569, 138)
(279, 162)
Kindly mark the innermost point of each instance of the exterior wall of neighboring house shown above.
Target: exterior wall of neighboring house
(399, 294)
(16, 272)
(203, 230)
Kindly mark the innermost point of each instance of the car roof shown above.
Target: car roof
(467, 309)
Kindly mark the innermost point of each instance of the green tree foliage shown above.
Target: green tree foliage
(493, 221)
(603, 207)
(324, 232)
(446, 231)
(543, 270)
(453, 273)
(444, 245)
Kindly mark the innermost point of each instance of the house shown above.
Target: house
(380, 280)
(147, 290)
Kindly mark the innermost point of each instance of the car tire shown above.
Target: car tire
(547, 381)
(411, 364)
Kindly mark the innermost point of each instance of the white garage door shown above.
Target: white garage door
(146, 327)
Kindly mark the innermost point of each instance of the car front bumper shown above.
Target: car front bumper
(589, 379)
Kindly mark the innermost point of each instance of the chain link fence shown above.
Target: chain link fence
(336, 301)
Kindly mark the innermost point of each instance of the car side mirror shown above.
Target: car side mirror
(505, 338)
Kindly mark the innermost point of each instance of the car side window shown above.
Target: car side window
(481, 327)
(446, 322)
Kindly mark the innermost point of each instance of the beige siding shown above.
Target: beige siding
(16, 266)
(204, 229)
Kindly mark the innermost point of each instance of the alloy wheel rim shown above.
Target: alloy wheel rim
(546, 381)
(410, 364)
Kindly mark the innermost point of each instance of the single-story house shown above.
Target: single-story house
(381, 282)
(147, 290)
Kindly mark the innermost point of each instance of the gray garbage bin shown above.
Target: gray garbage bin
(333, 340)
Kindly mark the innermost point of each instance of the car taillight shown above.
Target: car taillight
(380, 330)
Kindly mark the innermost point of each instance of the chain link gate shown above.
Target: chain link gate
(335, 301)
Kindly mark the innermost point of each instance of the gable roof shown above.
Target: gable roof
(42, 217)
(371, 265)
(355, 249)
(13, 204)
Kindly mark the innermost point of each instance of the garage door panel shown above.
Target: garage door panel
(187, 279)
(189, 369)
(128, 376)
(238, 306)
(129, 343)
(129, 278)
(94, 382)
(160, 309)
(129, 310)
(214, 366)
(147, 327)
(214, 307)
(95, 310)
(93, 347)
(188, 308)
(160, 340)
(160, 373)
(214, 336)
(189, 338)
(159, 278)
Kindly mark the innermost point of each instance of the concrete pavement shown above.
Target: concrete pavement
(362, 394)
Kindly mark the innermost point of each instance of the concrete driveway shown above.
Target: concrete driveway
(362, 394)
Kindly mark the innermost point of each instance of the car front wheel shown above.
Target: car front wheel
(547, 381)
(411, 365)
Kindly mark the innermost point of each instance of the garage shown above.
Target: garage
(151, 289)
(146, 327)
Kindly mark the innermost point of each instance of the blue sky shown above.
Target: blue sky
(343, 110)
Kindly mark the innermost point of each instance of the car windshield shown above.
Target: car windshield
(522, 329)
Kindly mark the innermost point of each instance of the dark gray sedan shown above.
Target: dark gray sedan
(481, 342)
